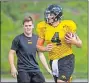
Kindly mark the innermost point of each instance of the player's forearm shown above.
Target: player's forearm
(13, 69)
(78, 43)
(43, 60)
(41, 48)
(11, 59)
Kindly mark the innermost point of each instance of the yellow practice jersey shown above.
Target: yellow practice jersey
(56, 36)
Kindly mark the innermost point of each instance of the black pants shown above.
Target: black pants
(30, 77)
(65, 67)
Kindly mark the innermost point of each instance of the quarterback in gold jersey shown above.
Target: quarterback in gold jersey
(59, 35)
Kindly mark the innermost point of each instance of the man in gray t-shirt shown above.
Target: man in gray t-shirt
(24, 45)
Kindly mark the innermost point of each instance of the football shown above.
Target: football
(69, 34)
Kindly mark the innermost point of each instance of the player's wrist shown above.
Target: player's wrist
(78, 44)
(45, 49)
(12, 66)
(41, 48)
(75, 42)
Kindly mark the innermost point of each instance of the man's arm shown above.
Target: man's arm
(44, 62)
(11, 62)
(78, 42)
(41, 47)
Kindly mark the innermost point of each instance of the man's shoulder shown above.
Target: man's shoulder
(41, 26)
(67, 22)
(41, 23)
(18, 36)
(35, 35)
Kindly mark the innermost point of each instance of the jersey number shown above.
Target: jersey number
(55, 39)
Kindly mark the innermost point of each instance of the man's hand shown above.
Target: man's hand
(49, 47)
(71, 39)
(49, 71)
(14, 72)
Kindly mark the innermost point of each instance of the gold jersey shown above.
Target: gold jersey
(56, 36)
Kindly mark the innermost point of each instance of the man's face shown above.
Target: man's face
(28, 26)
(50, 18)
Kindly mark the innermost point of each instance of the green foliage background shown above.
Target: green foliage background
(13, 12)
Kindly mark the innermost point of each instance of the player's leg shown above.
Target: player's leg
(61, 81)
(54, 67)
(66, 68)
(23, 77)
(58, 80)
(37, 77)
(70, 80)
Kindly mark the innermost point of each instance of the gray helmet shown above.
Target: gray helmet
(53, 9)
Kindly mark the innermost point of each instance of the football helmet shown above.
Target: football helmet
(53, 13)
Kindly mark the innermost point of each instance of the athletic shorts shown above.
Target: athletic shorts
(65, 68)
(30, 77)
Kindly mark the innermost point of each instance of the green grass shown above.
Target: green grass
(12, 14)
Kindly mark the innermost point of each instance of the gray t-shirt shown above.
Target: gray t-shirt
(25, 48)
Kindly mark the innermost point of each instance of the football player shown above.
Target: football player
(59, 36)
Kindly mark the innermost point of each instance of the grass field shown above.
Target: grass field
(12, 14)
(47, 80)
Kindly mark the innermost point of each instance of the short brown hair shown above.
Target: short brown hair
(27, 19)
